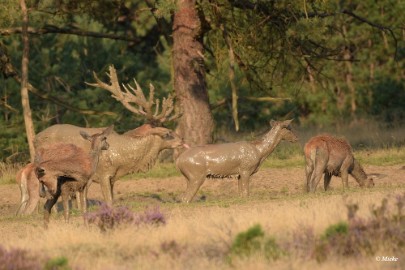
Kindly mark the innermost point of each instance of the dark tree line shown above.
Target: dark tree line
(232, 64)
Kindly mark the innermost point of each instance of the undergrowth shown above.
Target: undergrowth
(108, 218)
(355, 237)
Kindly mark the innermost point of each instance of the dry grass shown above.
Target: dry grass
(196, 236)
(8, 172)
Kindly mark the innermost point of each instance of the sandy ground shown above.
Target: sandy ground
(267, 182)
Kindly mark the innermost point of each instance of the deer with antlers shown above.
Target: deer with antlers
(133, 151)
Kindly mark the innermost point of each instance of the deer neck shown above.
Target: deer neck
(358, 173)
(268, 142)
(94, 158)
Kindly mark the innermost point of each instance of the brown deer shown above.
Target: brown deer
(134, 151)
(240, 159)
(325, 154)
(65, 169)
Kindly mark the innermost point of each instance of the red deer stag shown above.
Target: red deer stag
(65, 169)
(325, 154)
(240, 159)
(134, 151)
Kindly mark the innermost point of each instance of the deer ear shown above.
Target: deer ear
(286, 123)
(108, 130)
(85, 135)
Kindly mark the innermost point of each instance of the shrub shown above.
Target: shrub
(109, 218)
(254, 241)
(336, 230)
(359, 237)
(151, 216)
(59, 263)
(248, 242)
(18, 259)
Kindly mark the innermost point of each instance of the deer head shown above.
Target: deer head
(285, 132)
(99, 140)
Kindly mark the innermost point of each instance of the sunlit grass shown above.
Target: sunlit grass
(8, 172)
(198, 234)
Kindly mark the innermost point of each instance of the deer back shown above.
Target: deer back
(64, 160)
(126, 153)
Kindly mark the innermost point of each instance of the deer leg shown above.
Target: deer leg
(79, 204)
(309, 170)
(243, 185)
(47, 209)
(317, 175)
(24, 198)
(326, 180)
(106, 189)
(320, 161)
(31, 205)
(66, 210)
(193, 184)
(345, 179)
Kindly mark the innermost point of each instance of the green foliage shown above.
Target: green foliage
(336, 230)
(248, 242)
(58, 263)
(253, 241)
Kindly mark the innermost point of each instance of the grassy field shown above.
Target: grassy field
(203, 236)
(279, 226)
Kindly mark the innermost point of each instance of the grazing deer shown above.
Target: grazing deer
(325, 154)
(240, 159)
(65, 169)
(134, 151)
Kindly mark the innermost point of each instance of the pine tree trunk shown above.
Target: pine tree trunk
(196, 124)
(29, 127)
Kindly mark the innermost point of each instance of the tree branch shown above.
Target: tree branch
(51, 29)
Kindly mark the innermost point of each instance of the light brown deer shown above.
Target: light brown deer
(325, 154)
(240, 159)
(65, 169)
(134, 151)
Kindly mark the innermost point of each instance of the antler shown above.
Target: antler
(130, 95)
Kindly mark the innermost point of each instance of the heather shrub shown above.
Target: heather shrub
(303, 242)
(18, 259)
(384, 230)
(109, 218)
(151, 216)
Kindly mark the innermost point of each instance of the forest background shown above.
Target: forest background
(323, 63)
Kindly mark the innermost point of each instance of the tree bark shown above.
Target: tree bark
(29, 127)
(196, 124)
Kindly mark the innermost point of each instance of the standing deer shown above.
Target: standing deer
(134, 151)
(65, 169)
(240, 159)
(325, 154)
